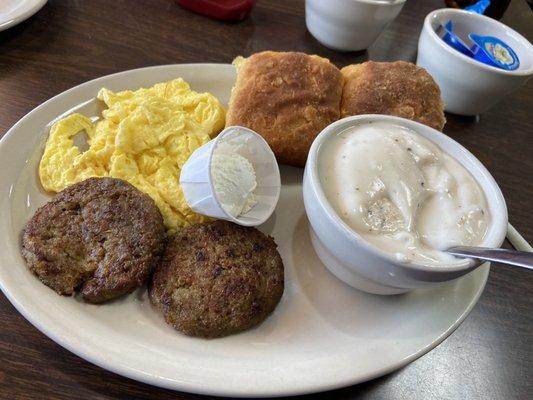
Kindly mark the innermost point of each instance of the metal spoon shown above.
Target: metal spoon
(522, 259)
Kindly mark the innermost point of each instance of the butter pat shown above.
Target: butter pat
(234, 182)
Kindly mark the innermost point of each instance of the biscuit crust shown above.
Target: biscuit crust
(288, 98)
(394, 88)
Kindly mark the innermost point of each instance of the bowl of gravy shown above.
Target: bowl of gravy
(385, 196)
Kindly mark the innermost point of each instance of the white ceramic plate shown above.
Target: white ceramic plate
(13, 12)
(323, 334)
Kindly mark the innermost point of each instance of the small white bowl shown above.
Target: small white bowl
(470, 87)
(363, 266)
(349, 25)
(196, 177)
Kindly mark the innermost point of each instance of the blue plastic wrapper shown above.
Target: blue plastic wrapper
(493, 51)
(455, 41)
(479, 7)
(486, 49)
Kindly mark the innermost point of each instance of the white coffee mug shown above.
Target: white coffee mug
(349, 25)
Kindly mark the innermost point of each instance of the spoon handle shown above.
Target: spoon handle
(522, 259)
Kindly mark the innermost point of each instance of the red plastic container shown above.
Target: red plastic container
(226, 10)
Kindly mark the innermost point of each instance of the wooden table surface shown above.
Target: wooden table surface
(490, 356)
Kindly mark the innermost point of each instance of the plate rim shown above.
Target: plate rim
(119, 368)
(38, 4)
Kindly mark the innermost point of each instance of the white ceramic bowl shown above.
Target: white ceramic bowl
(349, 25)
(470, 87)
(365, 267)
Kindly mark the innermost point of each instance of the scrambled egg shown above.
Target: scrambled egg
(144, 137)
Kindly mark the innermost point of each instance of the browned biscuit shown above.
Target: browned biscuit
(395, 88)
(288, 98)
(101, 236)
(217, 278)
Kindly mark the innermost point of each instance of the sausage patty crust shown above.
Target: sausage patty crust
(217, 278)
(101, 237)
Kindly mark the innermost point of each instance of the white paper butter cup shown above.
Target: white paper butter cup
(196, 180)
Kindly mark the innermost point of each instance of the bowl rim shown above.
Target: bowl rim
(427, 27)
(385, 3)
(496, 230)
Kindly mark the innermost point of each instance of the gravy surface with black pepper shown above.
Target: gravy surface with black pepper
(402, 193)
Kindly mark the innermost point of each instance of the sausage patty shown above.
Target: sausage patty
(101, 237)
(217, 278)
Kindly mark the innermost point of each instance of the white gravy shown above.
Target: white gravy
(402, 193)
